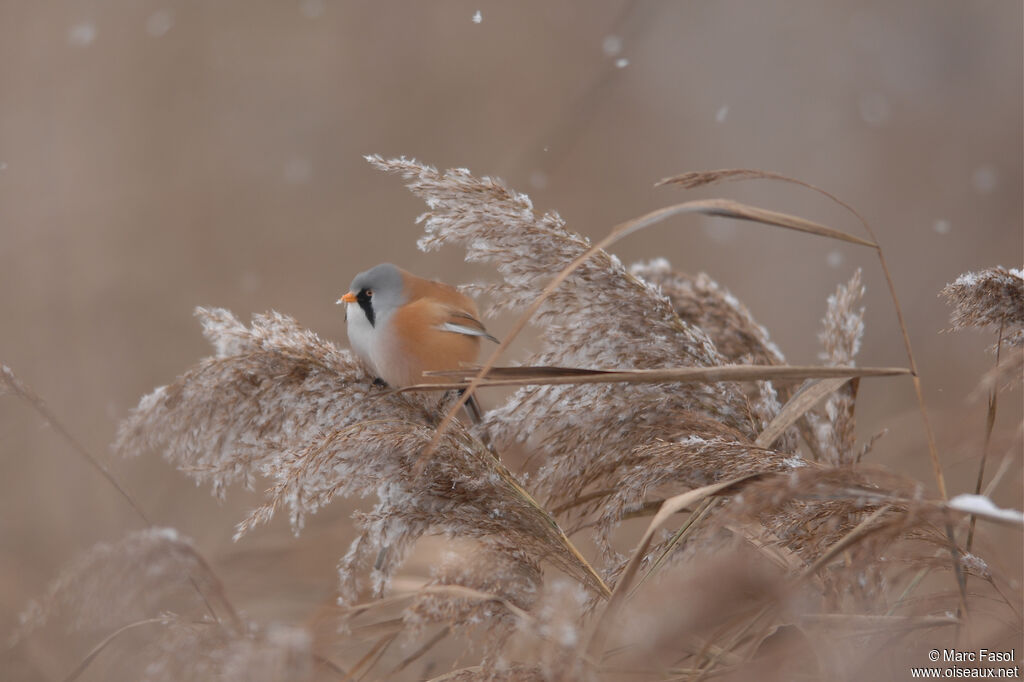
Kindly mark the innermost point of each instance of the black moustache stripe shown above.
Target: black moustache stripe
(364, 303)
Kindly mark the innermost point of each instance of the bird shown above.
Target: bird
(401, 326)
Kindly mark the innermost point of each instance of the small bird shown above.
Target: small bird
(402, 325)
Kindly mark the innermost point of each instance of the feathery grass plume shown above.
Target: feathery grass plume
(268, 387)
(842, 329)
(556, 633)
(990, 299)
(154, 578)
(461, 491)
(105, 588)
(710, 307)
(843, 324)
(279, 402)
(510, 578)
(666, 467)
(189, 650)
(547, 645)
(813, 508)
(600, 317)
(704, 303)
(542, 643)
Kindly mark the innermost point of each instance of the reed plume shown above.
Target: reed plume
(279, 402)
(991, 299)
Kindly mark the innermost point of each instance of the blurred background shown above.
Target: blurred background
(155, 156)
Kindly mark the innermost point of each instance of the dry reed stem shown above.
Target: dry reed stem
(1005, 462)
(871, 623)
(558, 376)
(370, 658)
(706, 507)
(990, 422)
(450, 591)
(859, 531)
(95, 651)
(803, 400)
(419, 653)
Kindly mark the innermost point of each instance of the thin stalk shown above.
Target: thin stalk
(990, 421)
(592, 574)
(84, 663)
(39, 405)
(427, 646)
(371, 658)
(699, 514)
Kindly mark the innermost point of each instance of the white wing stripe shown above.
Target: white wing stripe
(468, 331)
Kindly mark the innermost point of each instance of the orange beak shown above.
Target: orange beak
(347, 298)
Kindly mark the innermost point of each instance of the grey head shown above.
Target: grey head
(379, 291)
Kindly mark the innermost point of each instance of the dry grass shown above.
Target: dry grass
(773, 550)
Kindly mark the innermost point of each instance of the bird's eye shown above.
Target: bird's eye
(369, 292)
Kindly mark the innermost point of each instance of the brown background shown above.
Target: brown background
(158, 156)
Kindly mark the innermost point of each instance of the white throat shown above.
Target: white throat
(367, 339)
(362, 335)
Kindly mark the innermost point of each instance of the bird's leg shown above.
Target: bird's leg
(473, 408)
(377, 381)
(476, 413)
